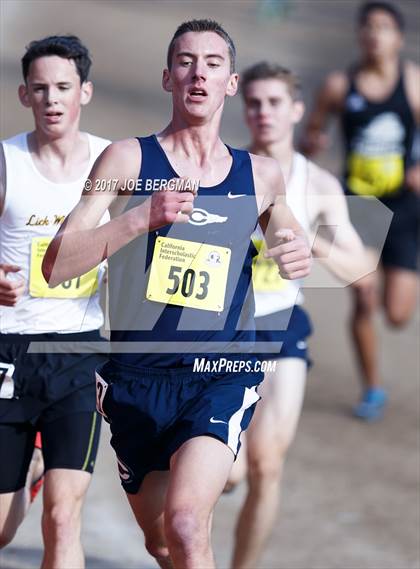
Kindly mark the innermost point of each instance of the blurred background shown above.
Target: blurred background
(351, 491)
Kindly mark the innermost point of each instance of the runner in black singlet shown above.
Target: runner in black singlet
(379, 105)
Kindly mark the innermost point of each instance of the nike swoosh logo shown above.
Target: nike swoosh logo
(234, 196)
(213, 420)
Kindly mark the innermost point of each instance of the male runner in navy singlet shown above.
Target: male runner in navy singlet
(181, 385)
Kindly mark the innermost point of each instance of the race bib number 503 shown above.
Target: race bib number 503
(187, 273)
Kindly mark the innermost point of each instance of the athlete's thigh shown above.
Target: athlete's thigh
(13, 508)
(278, 412)
(71, 441)
(149, 503)
(400, 293)
(16, 449)
(239, 467)
(65, 487)
(199, 471)
(69, 445)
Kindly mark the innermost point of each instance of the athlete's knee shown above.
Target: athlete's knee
(156, 547)
(186, 529)
(365, 304)
(12, 514)
(263, 469)
(397, 317)
(7, 534)
(61, 520)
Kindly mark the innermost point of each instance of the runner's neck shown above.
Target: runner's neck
(385, 68)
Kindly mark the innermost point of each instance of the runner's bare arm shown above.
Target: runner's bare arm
(286, 240)
(10, 289)
(329, 101)
(81, 244)
(338, 246)
(2, 179)
(412, 82)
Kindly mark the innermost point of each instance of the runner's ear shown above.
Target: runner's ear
(166, 81)
(23, 96)
(298, 111)
(86, 92)
(232, 86)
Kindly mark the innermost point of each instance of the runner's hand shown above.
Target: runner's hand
(10, 289)
(292, 254)
(171, 206)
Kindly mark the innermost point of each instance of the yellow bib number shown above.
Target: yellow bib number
(186, 273)
(265, 272)
(375, 175)
(80, 287)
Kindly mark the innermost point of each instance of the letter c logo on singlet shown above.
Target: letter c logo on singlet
(200, 217)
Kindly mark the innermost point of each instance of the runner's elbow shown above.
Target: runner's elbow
(49, 270)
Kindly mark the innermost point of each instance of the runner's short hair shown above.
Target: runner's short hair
(368, 7)
(267, 70)
(202, 26)
(69, 47)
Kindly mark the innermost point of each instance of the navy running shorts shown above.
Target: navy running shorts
(283, 334)
(152, 412)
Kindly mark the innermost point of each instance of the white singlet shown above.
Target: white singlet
(272, 293)
(33, 211)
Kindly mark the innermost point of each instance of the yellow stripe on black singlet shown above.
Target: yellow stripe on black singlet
(91, 437)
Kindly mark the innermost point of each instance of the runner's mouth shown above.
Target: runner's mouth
(53, 116)
(197, 94)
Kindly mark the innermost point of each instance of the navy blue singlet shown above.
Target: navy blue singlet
(221, 224)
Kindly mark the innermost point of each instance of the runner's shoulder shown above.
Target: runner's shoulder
(98, 143)
(123, 156)
(412, 81)
(411, 69)
(267, 170)
(322, 182)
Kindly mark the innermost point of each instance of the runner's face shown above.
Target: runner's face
(54, 93)
(270, 111)
(200, 76)
(380, 36)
